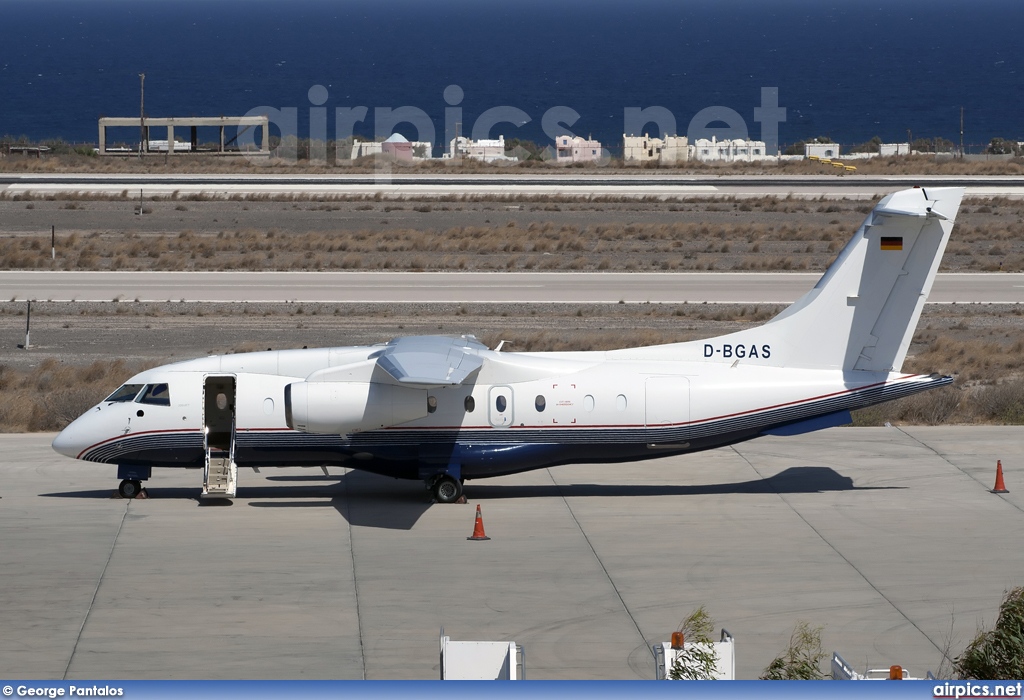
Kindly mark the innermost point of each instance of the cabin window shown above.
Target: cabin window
(156, 394)
(431, 404)
(620, 402)
(126, 393)
(540, 403)
(501, 403)
(588, 403)
(470, 404)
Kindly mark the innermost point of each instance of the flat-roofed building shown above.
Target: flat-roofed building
(893, 149)
(576, 149)
(728, 150)
(487, 150)
(366, 148)
(821, 150)
(644, 149)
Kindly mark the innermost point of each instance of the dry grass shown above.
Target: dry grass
(506, 233)
(986, 239)
(54, 394)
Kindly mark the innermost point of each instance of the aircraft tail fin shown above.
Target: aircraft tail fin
(862, 313)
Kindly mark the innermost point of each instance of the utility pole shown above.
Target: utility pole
(53, 243)
(28, 322)
(142, 112)
(961, 132)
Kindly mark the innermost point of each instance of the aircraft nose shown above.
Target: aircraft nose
(71, 440)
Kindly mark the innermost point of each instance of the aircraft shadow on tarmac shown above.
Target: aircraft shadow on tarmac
(792, 480)
(369, 500)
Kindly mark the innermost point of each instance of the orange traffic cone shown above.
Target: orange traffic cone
(1000, 486)
(478, 527)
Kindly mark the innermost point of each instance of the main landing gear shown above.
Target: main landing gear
(130, 488)
(446, 488)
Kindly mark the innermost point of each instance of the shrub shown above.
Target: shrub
(1003, 403)
(999, 653)
(802, 659)
(696, 662)
(55, 410)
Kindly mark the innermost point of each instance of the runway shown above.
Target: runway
(391, 183)
(887, 537)
(468, 287)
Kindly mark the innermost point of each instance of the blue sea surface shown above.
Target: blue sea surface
(849, 69)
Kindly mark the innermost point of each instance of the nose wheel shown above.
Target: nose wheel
(446, 489)
(130, 488)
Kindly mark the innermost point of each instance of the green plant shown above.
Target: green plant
(1001, 146)
(802, 659)
(997, 654)
(697, 659)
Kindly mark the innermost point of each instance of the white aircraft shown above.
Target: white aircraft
(446, 409)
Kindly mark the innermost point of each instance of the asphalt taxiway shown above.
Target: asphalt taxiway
(889, 537)
(391, 183)
(468, 287)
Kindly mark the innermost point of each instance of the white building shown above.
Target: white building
(366, 148)
(821, 150)
(893, 149)
(487, 150)
(728, 151)
(644, 149)
(421, 150)
(576, 149)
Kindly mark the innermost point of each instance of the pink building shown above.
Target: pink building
(576, 149)
(398, 147)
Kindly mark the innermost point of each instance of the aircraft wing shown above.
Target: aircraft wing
(431, 360)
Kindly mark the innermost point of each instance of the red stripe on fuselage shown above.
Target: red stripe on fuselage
(127, 435)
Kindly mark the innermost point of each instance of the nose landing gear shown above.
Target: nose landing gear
(132, 477)
(130, 488)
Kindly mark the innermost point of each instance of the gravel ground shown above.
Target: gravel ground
(224, 234)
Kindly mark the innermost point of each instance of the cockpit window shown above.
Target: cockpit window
(125, 393)
(156, 394)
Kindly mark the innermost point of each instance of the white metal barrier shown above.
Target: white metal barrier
(481, 661)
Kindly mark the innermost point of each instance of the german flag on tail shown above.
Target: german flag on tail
(892, 242)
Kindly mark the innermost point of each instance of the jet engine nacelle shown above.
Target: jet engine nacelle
(338, 408)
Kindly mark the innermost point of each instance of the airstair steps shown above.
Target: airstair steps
(220, 476)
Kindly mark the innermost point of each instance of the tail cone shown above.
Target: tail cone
(478, 527)
(1000, 486)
